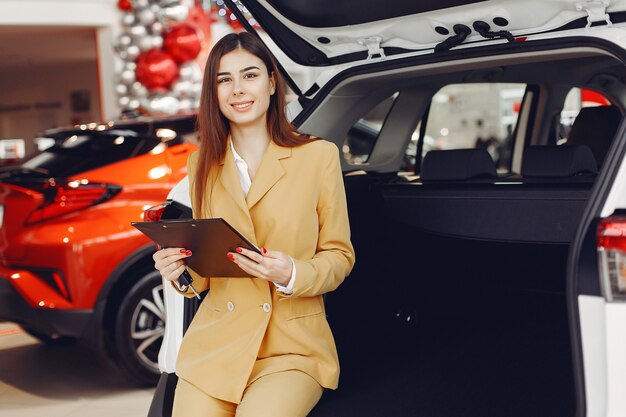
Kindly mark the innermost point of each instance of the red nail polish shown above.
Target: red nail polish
(230, 256)
(183, 250)
(239, 250)
(264, 251)
(188, 253)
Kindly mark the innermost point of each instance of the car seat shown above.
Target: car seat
(595, 127)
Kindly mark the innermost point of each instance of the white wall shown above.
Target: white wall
(53, 85)
(102, 15)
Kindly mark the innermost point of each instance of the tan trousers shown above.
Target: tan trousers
(283, 394)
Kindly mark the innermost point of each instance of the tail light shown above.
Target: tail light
(612, 254)
(71, 196)
(154, 213)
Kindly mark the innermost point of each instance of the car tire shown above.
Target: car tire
(50, 340)
(139, 330)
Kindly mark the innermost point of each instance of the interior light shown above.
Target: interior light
(119, 140)
(444, 131)
(15, 276)
(165, 134)
(73, 184)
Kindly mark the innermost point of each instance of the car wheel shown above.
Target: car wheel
(139, 329)
(50, 340)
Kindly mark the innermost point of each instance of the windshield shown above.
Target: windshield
(74, 153)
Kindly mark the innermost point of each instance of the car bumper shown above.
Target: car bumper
(50, 321)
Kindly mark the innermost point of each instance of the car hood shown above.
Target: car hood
(330, 32)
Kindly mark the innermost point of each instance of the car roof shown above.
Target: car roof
(141, 125)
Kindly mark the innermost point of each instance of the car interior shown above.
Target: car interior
(457, 304)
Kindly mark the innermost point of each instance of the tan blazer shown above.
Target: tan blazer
(244, 328)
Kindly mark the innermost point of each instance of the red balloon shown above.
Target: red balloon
(156, 68)
(125, 5)
(182, 42)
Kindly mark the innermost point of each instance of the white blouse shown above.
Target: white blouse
(246, 182)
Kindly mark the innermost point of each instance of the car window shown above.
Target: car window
(478, 115)
(76, 153)
(361, 138)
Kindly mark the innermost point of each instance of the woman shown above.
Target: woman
(260, 346)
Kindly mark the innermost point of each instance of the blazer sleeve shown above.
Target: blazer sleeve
(200, 283)
(334, 257)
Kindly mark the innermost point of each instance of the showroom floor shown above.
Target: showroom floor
(71, 381)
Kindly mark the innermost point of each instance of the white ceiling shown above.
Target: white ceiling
(25, 47)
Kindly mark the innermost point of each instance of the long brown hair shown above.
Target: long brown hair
(213, 127)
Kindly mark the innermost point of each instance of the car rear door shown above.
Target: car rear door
(597, 289)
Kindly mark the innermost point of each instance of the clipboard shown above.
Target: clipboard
(209, 240)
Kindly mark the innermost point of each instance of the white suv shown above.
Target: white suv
(484, 157)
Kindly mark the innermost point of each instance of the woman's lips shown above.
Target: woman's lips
(242, 106)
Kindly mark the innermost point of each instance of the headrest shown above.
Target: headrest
(457, 164)
(595, 127)
(558, 161)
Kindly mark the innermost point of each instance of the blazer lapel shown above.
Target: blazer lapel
(270, 171)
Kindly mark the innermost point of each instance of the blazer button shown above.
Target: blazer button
(267, 308)
(230, 306)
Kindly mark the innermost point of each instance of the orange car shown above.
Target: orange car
(71, 265)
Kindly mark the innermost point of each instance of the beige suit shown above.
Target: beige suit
(245, 329)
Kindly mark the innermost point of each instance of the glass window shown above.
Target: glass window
(479, 115)
(76, 153)
(361, 138)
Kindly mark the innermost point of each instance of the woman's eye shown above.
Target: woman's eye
(222, 80)
(250, 75)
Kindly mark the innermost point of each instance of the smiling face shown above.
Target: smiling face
(244, 88)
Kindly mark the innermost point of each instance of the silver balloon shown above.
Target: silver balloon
(140, 4)
(131, 66)
(156, 28)
(195, 90)
(127, 77)
(138, 90)
(157, 42)
(133, 104)
(124, 39)
(144, 42)
(181, 88)
(163, 104)
(121, 90)
(156, 9)
(175, 13)
(188, 3)
(138, 31)
(146, 16)
(132, 52)
(129, 19)
(123, 101)
(186, 105)
(190, 71)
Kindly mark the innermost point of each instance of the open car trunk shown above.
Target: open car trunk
(435, 323)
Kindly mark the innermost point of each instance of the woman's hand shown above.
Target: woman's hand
(169, 262)
(272, 265)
